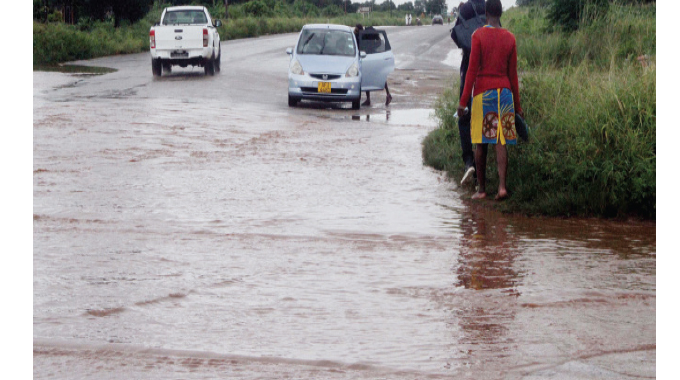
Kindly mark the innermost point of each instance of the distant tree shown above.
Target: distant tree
(96, 9)
(351, 7)
(541, 3)
(419, 6)
(130, 10)
(386, 6)
(407, 6)
(435, 7)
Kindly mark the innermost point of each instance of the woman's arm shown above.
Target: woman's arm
(514, 81)
(473, 68)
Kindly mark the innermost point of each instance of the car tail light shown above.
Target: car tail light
(152, 39)
(205, 37)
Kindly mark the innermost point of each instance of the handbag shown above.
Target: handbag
(522, 128)
(462, 33)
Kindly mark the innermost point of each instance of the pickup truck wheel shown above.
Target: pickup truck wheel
(218, 62)
(209, 67)
(356, 104)
(156, 67)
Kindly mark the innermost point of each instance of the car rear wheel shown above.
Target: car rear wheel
(292, 102)
(218, 62)
(156, 67)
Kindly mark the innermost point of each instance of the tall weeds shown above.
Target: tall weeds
(592, 113)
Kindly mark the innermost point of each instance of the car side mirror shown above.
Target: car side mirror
(218, 23)
(289, 51)
(362, 54)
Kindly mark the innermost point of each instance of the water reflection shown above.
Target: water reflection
(487, 252)
(74, 69)
(400, 117)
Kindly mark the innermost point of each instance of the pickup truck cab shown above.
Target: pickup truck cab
(186, 35)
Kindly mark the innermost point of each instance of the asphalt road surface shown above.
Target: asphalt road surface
(195, 227)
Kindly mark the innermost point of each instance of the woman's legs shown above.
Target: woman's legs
(502, 162)
(480, 161)
(389, 97)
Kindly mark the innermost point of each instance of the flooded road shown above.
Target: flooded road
(197, 227)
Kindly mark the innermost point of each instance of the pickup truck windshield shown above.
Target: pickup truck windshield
(188, 17)
(326, 42)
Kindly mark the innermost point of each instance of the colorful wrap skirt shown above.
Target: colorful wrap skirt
(493, 118)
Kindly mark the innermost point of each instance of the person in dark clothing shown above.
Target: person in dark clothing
(467, 12)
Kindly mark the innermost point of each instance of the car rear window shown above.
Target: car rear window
(187, 17)
(326, 42)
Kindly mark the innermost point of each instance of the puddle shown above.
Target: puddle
(453, 58)
(423, 116)
(75, 69)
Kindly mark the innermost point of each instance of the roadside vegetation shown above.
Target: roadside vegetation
(92, 29)
(589, 96)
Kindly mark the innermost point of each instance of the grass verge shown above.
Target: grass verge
(592, 149)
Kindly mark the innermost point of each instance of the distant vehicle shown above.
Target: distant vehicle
(327, 65)
(186, 35)
(437, 19)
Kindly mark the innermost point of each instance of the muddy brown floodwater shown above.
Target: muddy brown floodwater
(192, 227)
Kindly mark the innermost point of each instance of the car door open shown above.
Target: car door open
(379, 60)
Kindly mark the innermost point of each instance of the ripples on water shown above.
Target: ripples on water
(251, 243)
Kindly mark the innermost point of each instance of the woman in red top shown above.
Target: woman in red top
(493, 74)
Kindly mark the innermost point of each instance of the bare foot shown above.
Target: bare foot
(389, 100)
(479, 196)
(502, 194)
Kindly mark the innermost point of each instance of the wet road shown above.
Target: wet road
(196, 227)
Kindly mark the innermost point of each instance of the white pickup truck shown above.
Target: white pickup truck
(185, 36)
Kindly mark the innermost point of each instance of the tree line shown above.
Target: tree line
(72, 11)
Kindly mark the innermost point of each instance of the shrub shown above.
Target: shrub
(302, 8)
(55, 16)
(257, 8)
(569, 14)
(332, 11)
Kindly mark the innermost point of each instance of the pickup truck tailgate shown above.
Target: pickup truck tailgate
(171, 37)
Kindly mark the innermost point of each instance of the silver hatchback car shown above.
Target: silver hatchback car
(326, 64)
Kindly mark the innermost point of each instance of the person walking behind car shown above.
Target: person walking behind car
(466, 12)
(357, 29)
(492, 72)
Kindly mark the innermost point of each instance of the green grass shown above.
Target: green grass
(592, 149)
(625, 33)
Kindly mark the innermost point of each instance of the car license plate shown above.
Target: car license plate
(179, 54)
(325, 87)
